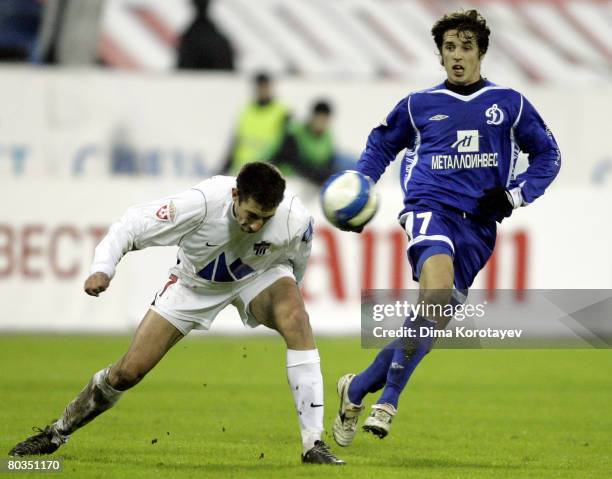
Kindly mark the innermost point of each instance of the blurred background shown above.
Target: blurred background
(107, 103)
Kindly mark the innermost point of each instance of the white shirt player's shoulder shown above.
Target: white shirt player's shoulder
(216, 185)
(217, 192)
(295, 215)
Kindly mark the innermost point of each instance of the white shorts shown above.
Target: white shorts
(196, 308)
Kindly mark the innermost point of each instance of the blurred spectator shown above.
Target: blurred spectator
(202, 45)
(69, 32)
(19, 21)
(602, 172)
(307, 148)
(261, 127)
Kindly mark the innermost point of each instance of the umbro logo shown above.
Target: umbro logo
(438, 117)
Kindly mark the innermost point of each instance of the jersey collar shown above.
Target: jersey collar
(481, 86)
(465, 89)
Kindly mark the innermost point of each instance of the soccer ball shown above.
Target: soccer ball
(349, 200)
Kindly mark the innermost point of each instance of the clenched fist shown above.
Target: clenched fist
(96, 283)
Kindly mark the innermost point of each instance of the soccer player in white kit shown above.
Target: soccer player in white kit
(242, 241)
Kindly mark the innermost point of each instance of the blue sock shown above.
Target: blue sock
(404, 361)
(372, 378)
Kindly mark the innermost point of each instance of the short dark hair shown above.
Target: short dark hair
(470, 21)
(322, 106)
(261, 181)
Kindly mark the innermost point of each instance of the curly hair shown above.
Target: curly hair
(262, 182)
(470, 21)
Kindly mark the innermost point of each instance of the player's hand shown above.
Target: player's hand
(496, 201)
(352, 229)
(96, 283)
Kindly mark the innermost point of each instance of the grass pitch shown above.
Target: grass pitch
(222, 408)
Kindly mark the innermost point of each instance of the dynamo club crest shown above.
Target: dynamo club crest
(494, 114)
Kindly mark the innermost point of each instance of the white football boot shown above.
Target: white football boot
(379, 420)
(345, 424)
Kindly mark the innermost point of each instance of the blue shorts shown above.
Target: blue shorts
(468, 240)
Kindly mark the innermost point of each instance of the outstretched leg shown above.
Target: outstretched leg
(153, 338)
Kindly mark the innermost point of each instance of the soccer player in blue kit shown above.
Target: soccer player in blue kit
(462, 141)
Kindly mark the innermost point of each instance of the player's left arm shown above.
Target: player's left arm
(301, 252)
(300, 227)
(534, 138)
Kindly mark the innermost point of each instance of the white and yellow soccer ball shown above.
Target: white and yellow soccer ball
(349, 200)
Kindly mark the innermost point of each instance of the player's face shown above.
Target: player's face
(319, 123)
(250, 215)
(460, 57)
(263, 92)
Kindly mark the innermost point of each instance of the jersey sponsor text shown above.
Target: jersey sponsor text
(451, 162)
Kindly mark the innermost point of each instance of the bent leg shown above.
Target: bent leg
(435, 287)
(153, 338)
(280, 307)
(435, 281)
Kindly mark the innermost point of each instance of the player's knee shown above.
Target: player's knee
(437, 273)
(295, 328)
(125, 376)
(298, 322)
(441, 296)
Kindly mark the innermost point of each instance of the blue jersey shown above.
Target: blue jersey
(459, 145)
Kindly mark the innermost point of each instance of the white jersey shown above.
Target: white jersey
(212, 247)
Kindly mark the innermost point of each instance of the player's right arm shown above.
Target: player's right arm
(159, 223)
(394, 134)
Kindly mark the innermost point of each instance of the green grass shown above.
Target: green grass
(214, 412)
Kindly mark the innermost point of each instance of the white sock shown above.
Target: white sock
(306, 381)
